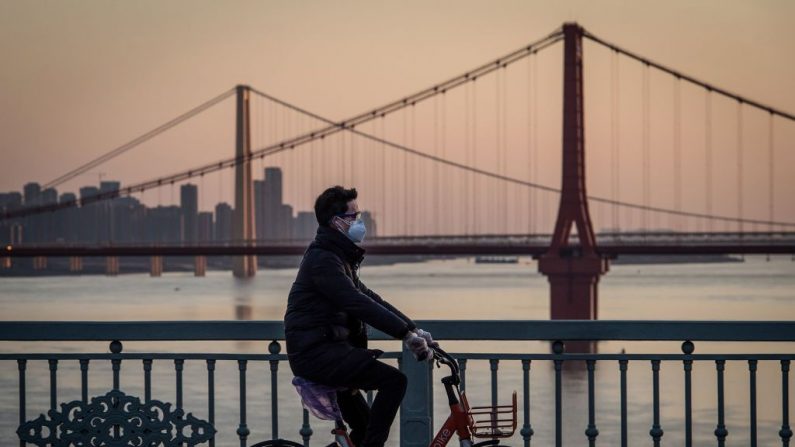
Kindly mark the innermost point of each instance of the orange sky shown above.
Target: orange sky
(82, 77)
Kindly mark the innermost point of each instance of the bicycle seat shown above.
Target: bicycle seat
(319, 399)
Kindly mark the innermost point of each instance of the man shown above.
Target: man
(327, 310)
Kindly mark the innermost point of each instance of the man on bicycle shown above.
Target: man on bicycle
(327, 310)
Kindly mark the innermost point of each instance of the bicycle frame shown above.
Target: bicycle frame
(460, 422)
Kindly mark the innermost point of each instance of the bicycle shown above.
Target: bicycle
(492, 422)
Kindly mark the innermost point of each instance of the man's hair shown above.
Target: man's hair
(331, 202)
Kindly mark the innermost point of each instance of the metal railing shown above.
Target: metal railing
(416, 418)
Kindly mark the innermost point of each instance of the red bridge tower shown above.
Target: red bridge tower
(573, 271)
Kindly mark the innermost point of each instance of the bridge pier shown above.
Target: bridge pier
(75, 264)
(39, 263)
(155, 266)
(112, 265)
(199, 265)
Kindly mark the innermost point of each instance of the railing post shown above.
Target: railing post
(416, 422)
(22, 364)
(687, 349)
(720, 429)
(786, 432)
(527, 429)
(274, 348)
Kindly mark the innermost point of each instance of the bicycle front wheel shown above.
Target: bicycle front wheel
(277, 443)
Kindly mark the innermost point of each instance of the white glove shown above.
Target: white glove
(418, 346)
(428, 339)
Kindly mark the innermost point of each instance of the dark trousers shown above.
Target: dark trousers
(370, 425)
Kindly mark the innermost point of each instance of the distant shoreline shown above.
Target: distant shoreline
(136, 265)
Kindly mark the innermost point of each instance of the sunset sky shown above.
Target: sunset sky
(80, 78)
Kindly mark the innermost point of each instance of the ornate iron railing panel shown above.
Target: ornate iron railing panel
(116, 419)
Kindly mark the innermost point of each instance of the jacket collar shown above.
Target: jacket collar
(330, 239)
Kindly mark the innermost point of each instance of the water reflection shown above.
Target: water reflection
(244, 299)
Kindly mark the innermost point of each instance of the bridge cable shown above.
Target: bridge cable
(615, 147)
(138, 140)
(505, 150)
(496, 200)
(676, 224)
(468, 160)
(740, 165)
(690, 79)
(645, 150)
(476, 188)
(708, 154)
(278, 147)
(771, 166)
(530, 215)
(435, 168)
(535, 139)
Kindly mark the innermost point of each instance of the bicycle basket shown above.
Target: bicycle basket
(493, 421)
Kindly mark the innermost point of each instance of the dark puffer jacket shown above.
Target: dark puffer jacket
(327, 308)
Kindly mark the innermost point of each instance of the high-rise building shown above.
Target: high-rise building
(89, 216)
(259, 209)
(32, 193)
(223, 222)
(189, 202)
(276, 219)
(273, 187)
(129, 217)
(66, 223)
(205, 227)
(34, 224)
(163, 225)
(8, 202)
(305, 226)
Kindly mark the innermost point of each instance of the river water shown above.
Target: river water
(757, 289)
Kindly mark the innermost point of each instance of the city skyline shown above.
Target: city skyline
(130, 221)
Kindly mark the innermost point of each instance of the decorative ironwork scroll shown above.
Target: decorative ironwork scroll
(116, 419)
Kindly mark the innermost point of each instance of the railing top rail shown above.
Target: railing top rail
(652, 330)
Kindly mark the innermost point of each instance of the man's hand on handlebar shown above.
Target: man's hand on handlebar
(418, 346)
(428, 339)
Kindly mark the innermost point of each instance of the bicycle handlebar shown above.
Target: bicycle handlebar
(443, 357)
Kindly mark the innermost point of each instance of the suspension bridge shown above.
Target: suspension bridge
(473, 165)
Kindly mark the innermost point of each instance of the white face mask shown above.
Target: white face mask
(356, 231)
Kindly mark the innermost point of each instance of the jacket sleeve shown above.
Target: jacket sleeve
(377, 298)
(328, 275)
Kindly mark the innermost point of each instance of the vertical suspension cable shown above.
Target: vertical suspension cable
(384, 211)
(771, 170)
(443, 176)
(465, 175)
(405, 174)
(677, 152)
(615, 161)
(475, 179)
(708, 156)
(495, 190)
(414, 175)
(505, 148)
(645, 147)
(740, 167)
(530, 148)
(435, 176)
(537, 217)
